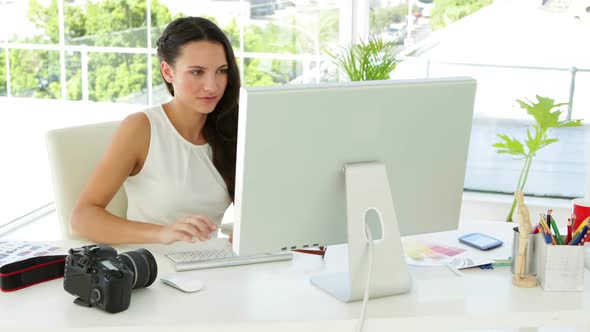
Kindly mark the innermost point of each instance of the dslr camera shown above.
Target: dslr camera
(101, 278)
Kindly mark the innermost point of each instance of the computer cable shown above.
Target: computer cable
(363, 317)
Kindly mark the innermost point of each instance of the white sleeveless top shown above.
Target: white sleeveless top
(178, 178)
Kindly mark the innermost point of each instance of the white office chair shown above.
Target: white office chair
(73, 155)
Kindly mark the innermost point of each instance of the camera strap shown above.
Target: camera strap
(20, 274)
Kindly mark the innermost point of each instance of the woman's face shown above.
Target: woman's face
(199, 75)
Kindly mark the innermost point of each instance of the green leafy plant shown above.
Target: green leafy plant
(446, 12)
(546, 118)
(367, 61)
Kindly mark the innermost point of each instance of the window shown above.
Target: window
(3, 86)
(527, 53)
(97, 62)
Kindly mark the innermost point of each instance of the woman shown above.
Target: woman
(176, 160)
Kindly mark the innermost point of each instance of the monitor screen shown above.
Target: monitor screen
(294, 142)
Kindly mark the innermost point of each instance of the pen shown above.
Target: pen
(582, 224)
(585, 237)
(547, 229)
(577, 239)
(568, 237)
(545, 235)
(542, 222)
(555, 229)
(574, 236)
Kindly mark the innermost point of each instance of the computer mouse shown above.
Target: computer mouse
(183, 281)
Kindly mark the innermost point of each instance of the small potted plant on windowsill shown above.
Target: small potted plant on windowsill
(546, 114)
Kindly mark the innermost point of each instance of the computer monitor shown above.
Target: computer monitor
(309, 155)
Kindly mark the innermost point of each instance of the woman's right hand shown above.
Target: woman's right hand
(187, 229)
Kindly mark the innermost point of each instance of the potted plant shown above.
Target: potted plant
(546, 114)
(367, 61)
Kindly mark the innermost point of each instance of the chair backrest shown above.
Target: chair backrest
(74, 153)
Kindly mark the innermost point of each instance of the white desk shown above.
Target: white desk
(271, 294)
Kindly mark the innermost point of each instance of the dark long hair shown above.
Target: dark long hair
(221, 126)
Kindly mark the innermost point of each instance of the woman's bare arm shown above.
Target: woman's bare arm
(122, 158)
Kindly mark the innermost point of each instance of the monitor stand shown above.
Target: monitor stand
(367, 188)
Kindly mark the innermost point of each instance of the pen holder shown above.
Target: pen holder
(559, 267)
(530, 266)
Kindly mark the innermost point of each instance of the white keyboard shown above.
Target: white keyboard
(220, 257)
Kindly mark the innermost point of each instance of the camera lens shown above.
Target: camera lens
(143, 265)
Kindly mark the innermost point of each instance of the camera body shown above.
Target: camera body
(101, 278)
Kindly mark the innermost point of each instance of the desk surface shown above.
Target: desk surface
(281, 291)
